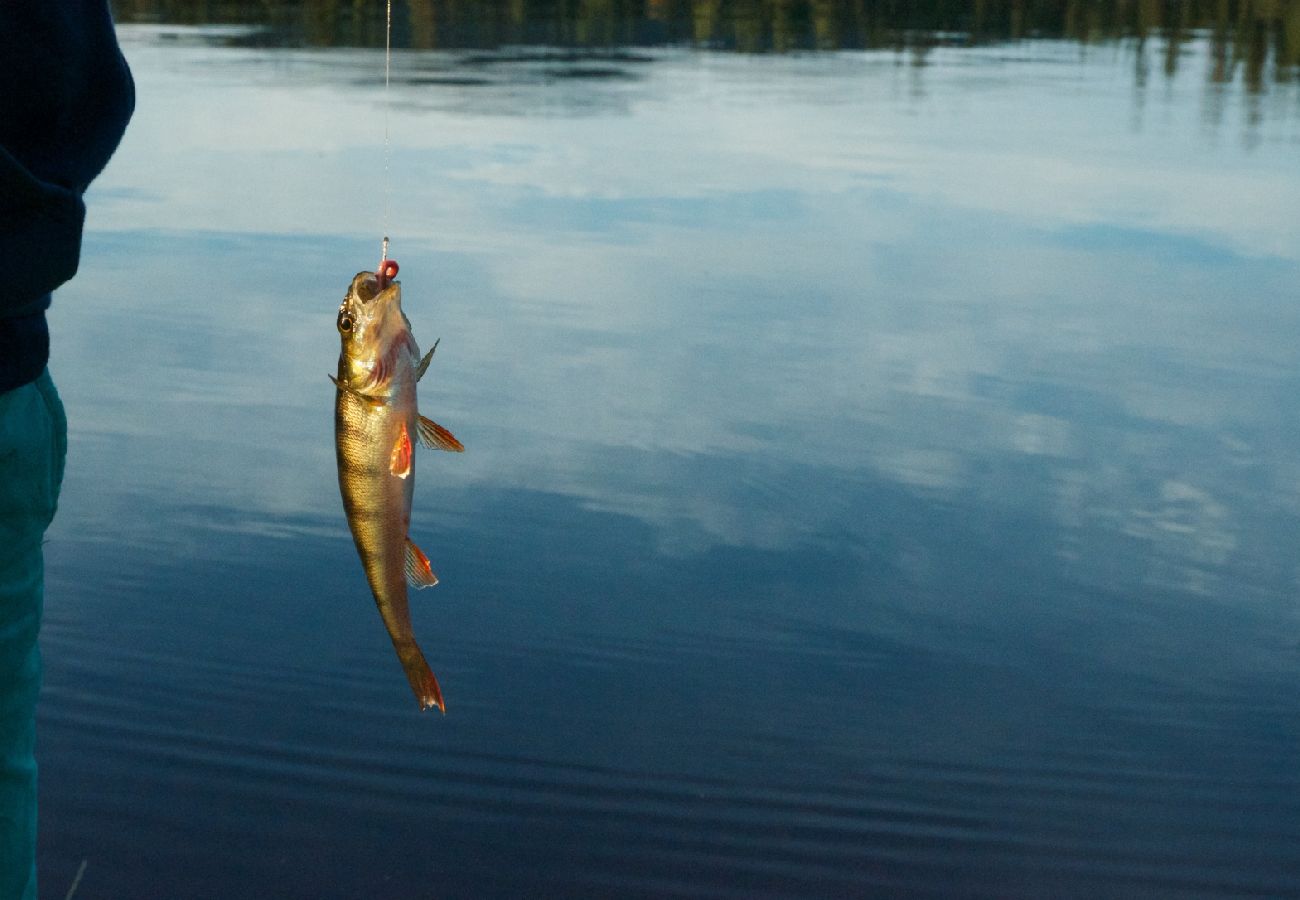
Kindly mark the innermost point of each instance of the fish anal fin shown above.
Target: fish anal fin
(419, 574)
(399, 462)
(435, 437)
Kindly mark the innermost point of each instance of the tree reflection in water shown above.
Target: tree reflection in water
(1259, 38)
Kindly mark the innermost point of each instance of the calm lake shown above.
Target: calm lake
(882, 470)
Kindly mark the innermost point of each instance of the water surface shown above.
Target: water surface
(882, 471)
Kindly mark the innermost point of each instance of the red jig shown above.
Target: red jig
(386, 272)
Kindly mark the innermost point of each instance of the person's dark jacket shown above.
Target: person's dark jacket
(65, 98)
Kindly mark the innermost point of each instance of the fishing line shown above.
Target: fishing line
(388, 149)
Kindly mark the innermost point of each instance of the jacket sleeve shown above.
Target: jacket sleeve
(65, 97)
(40, 237)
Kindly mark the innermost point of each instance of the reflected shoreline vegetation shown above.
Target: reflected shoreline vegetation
(1256, 39)
(1247, 46)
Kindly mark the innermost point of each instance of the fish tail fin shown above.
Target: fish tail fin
(423, 682)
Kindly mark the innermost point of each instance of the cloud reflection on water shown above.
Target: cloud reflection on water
(955, 291)
(931, 452)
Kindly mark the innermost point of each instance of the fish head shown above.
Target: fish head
(370, 320)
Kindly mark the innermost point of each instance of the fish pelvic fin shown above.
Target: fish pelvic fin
(399, 462)
(348, 389)
(419, 574)
(435, 437)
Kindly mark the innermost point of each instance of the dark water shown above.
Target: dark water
(883, 471)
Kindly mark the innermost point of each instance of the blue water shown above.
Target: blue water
(881, 479)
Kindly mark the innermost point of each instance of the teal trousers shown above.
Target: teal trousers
(33, 444)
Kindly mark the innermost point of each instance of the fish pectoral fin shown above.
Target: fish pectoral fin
(399, 462)
(435, 437)
(419, 574)
(373, 401)
(424, 363)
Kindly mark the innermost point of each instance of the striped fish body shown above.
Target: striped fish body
(376, 427)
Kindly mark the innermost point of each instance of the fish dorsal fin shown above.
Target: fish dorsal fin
(424, 363)
(419, 574)
(435, 437)
(399, 463)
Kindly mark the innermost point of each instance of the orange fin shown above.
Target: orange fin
(424, 683)
(400, 462)
(433, 697)
(419, 574)
(435, 437)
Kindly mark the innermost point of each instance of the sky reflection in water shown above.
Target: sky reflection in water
(877, 478)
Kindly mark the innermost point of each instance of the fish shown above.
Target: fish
(377, 426)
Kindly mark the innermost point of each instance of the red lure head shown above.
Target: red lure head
(386, 272)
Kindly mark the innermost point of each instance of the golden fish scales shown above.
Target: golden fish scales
(376, 417)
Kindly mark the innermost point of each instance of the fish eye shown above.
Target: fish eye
(345, 322)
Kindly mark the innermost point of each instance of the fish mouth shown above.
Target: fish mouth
(365, 290)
